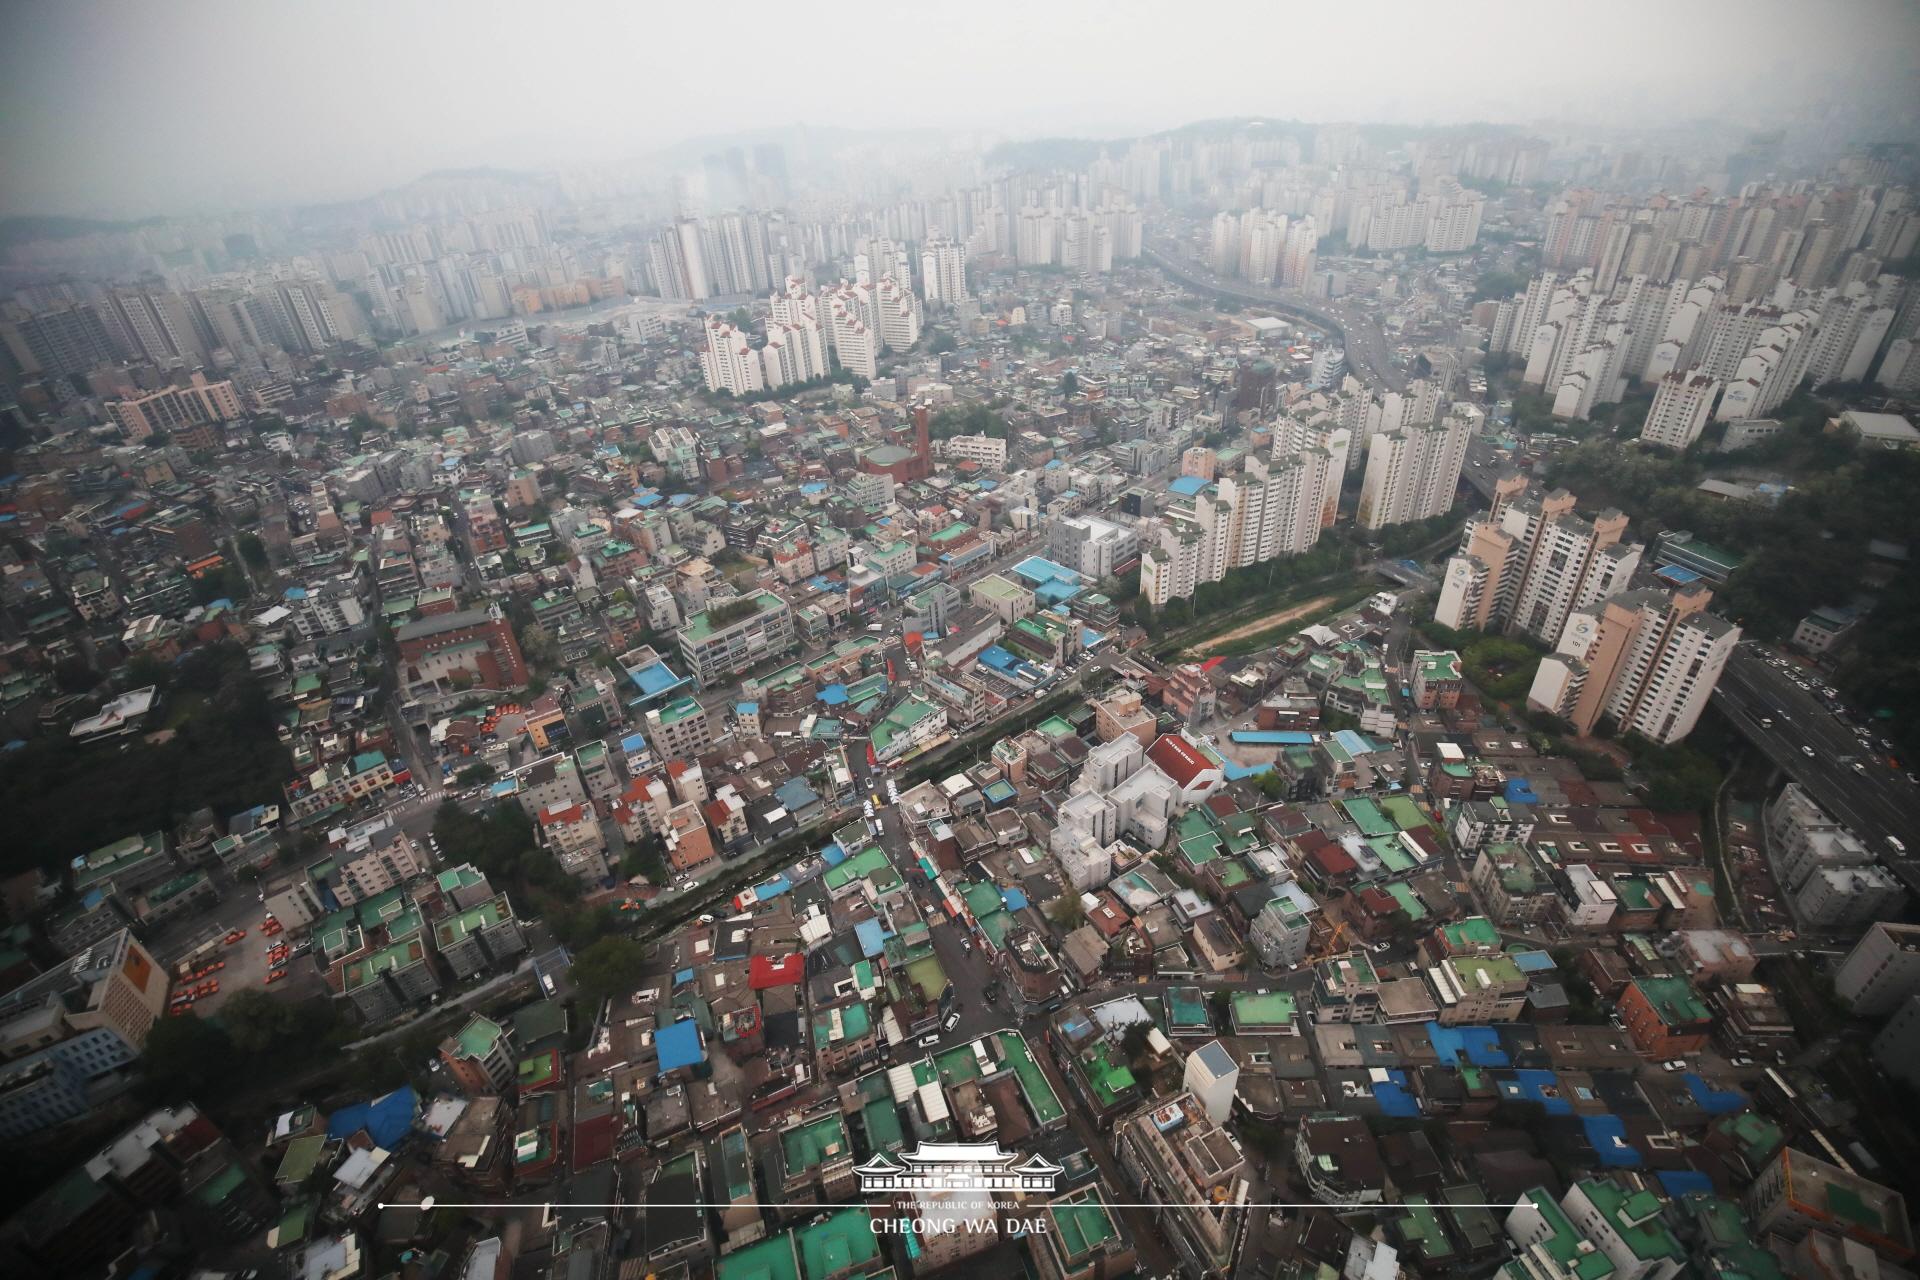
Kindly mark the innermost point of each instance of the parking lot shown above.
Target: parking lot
(244, 961)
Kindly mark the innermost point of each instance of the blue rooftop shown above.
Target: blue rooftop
(794, 795)
(387, 1120)
(1478, 1046)
(1542, 1087)
(1270, 737)
(1715, 1102)
(873, 937)
(633, 742)
(1187, 486)
(1684, 1182)
(1520, 791)
(679, 1045)
(834, 695)
(1041, 569)
(654, 679)
(1609, 1138)
(1393, 1097)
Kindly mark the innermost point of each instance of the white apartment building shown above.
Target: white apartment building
(1648, 660)
(1882, 970)
(1412, 473)
(852, 326)
(1682, 403)
(987, 451)
(1532, 561)
(898, 311)
(1838, 897)
(943, 270)
(1853, 323)
(1090, 545)
(729, 360)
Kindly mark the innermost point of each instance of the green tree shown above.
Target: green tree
(608, 968)
(475, 774)
(1067, 911)
(1069, 384)
(253, 550)
(186, 1058)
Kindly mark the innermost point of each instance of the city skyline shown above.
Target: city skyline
(342, 102)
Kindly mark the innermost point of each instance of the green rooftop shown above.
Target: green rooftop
(1255, 1009)
(1635, 1218)
(1109, 1079)
(808, 1145)
(1082, 1222)
(301, 1159)
(702, 626)
(771, 1259)
(1041, 1098)
(477, 1038)
(1420, 1230)
(1674, 1000)
(836, 1246)
(1472, 934)
(1563, 1241)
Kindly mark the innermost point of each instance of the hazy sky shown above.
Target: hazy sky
(127, 107)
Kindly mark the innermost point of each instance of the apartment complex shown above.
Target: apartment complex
(1532, 561)
(173, 409)
(1648, 660)
(1412, 473)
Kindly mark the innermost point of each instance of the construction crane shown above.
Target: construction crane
(1332, 944)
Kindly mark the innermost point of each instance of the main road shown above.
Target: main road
(1366, 342)
(1810, 743)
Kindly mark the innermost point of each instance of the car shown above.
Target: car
(953, 1020)
(1858, 767)
(1895, 843)
(1673, 1064)
(1807, 752)
(1766, 722)
(1742, 1061)
(275, 976)
(235, 935)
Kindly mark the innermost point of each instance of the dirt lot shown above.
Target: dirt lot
(1260, 624)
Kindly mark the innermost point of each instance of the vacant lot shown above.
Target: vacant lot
(1266, 623)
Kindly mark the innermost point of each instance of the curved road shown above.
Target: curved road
(1366, 344)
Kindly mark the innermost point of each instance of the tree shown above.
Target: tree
(252, 550)
(475, 774)
(1067, 911)
(609, 967)
(73, 675)
(186, 1057)
(1135, 1041)
(646, 858)
(1069, 384)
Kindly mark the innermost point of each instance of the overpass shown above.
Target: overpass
(1366, 344)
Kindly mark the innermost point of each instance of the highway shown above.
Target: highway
(1818, 749)
(1366, 344)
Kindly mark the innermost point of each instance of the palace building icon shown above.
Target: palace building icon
(957, 1166)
